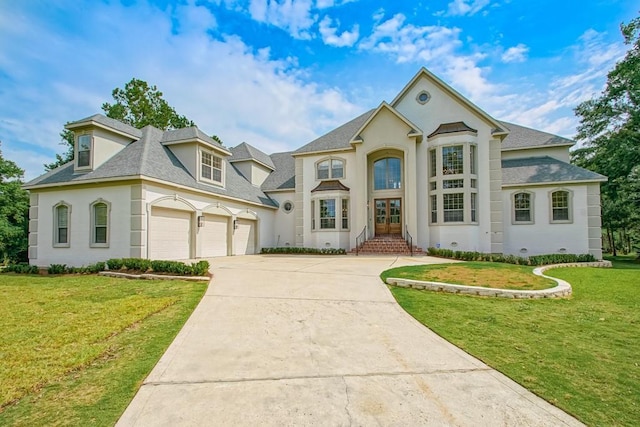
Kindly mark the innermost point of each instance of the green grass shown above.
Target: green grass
(581, 354)
(75, 349)
(487, 274)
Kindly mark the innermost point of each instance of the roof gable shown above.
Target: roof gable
(413, 129)
(107, 123)
(496, 126)
(337, 139)
(244, 151)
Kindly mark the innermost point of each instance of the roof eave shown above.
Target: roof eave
(93, 123)
(333, 150)
(534, 147)
(197, 141)
(271, 168)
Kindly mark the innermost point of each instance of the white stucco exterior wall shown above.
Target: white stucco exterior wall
(283, 231)
(80, 252)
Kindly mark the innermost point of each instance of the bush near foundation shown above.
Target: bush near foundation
(200, 268)
(20, 268)
(304, 251)
(511, 259)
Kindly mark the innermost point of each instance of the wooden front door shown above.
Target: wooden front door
(388, 216)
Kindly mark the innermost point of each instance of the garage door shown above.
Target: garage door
(244, 242)
(169, 234)
(214, 235)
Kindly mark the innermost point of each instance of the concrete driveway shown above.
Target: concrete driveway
(317, 340)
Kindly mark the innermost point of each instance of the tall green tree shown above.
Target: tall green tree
(609, 130)
(14, 213)
(137, 104)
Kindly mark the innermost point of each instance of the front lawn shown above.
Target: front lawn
(487, 274)
(75, 349)
(581, 354)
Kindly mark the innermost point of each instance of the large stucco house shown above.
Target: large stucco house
(429, 164)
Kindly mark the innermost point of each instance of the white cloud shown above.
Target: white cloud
(330, 34)
(225, 86)
(466, 7)
(324, 4)
(516, 53)
(293, 16)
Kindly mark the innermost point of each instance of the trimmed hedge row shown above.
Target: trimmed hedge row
(305, 251)
(200, 268)
(511, 259)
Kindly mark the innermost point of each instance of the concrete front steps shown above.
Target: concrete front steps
(387, 244)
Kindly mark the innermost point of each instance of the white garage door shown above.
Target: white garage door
(214, 235)
(244, 237)
(169, 234)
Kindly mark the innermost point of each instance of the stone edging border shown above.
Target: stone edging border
(561, 290)
(153, 276)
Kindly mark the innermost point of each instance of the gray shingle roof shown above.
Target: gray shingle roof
(452, 128)
(540, 170)
(246, 151)
(188, 134)
(109, 122)
(283, 177)
(148, 157)
(523, 137)
(338, 138)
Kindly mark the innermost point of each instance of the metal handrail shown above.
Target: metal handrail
(408, 239)
(362, 237)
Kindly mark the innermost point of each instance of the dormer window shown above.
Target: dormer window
(211, 167)
(330, 169)
(84, 151)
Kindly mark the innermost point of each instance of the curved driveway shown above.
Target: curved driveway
(318, 340)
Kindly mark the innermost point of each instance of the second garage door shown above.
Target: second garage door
(244, 241)
(214, 235)
(169, 234)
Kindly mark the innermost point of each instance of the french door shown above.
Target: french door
(388, 216)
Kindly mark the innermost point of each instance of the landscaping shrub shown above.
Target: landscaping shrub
(200, 268)
(137, 264)
(115, 264)
(20, 268)
(304, 251)
(57, 269)
(511, 259)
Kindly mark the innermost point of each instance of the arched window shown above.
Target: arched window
(387, 174)
(100, 223)
(330, 169)
(61, 221)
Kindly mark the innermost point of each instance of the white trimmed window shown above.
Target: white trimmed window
(387, 174)
(523, 208)
(561, 211)
(453, 207)
(210, 167)
(434, 209)
(330, 169)
(61, 221)
(313, 214)
(327, 214)
(345, 214)
(85, 145)
(100, 212)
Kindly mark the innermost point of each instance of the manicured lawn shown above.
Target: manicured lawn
(75, 349)
(488, 274)
(582, 354)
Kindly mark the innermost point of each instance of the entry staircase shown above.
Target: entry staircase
(387, 244)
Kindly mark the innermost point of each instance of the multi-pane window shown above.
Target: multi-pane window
(313, 215)
(453, 207)
(560, 205)
(61, 222)
(522, 207)
(453, 183)
(345, 214)
(434, 209)
(452, 160)
(327, 213)
(432, 163)
(100, 223)
(387, 174)
(84, 150)
(330, 169)
(211, 167)
(472, 159)
(474, 200)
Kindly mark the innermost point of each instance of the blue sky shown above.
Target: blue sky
(277, 73)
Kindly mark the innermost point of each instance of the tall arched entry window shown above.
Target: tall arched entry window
(387, 174)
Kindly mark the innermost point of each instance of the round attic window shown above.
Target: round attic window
(287, 206)
(423, 97)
